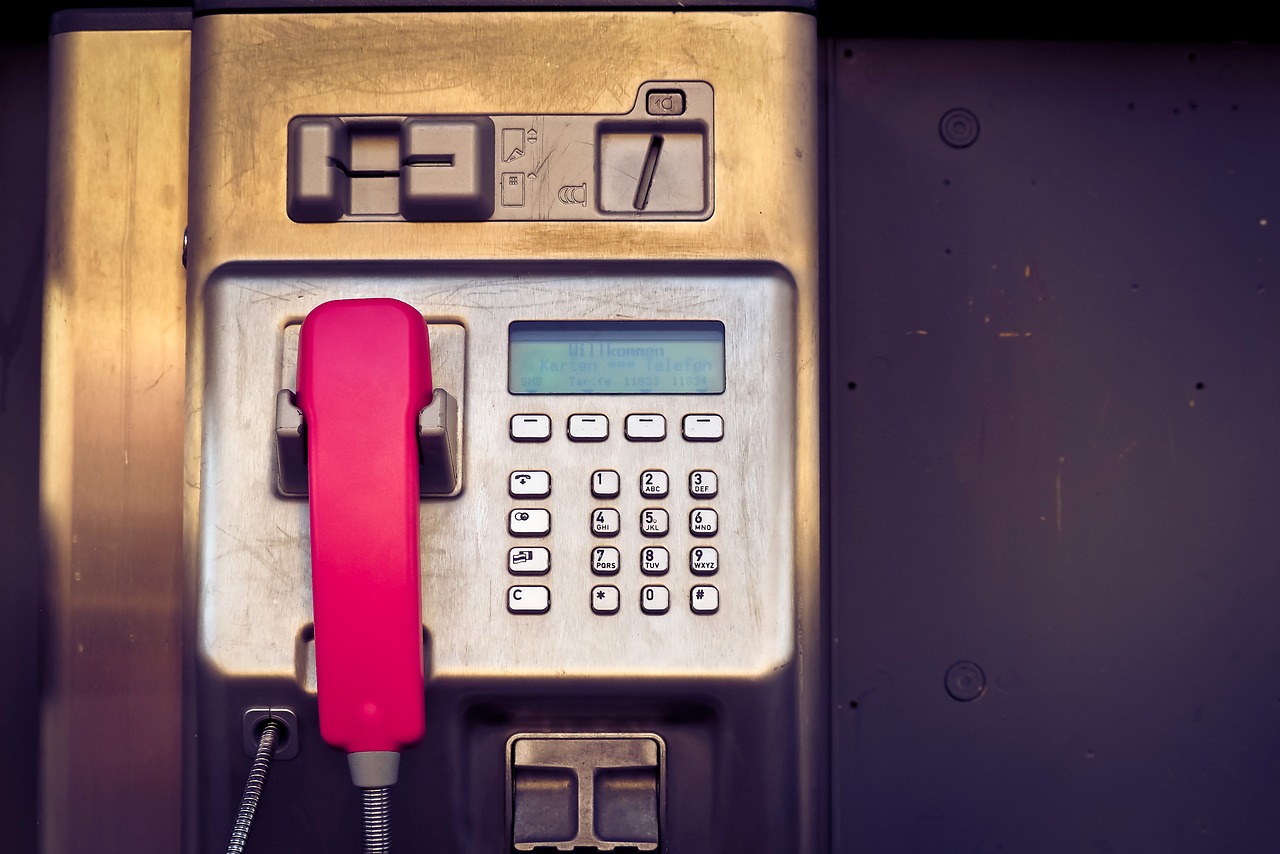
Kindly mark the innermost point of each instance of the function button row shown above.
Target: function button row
(605, 599)
(654, 483)
(638, 427)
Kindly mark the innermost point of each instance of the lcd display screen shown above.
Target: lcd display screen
(616, 357)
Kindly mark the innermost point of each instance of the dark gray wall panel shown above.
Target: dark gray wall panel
(1054, 446)
(24, 83)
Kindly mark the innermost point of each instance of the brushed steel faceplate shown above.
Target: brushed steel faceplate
(254, 590)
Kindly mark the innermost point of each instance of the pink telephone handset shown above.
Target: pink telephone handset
(364, 373)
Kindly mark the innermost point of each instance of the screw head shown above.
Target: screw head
(965, 681)
(959, 128)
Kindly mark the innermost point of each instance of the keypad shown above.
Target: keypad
(652, 536)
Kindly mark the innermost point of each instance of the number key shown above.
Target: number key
(654, 522)
(605, 483)
(654, 560)
(605, 522)
(703, 522)
(704, 560)
(703, 483)
(605, 560)
(655, 599)
(654, 483)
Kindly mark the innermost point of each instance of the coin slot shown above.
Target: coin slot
(646, 175)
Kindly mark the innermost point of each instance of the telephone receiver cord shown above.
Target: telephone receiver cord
(253, 787)
(377, 823)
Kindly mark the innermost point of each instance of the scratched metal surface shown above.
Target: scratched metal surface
(111, 443)
(1055, 397)
(254, 598)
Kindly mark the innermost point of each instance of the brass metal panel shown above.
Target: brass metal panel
(252, 73)
(112, 430)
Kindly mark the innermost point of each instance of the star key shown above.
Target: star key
(604, 599)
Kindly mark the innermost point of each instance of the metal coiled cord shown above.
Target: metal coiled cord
(253, 787)
(377, 821)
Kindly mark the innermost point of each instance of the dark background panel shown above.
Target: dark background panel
(1054, 444)
(23, 103)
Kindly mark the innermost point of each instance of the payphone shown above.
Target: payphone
(601, 224)
(502, 430)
